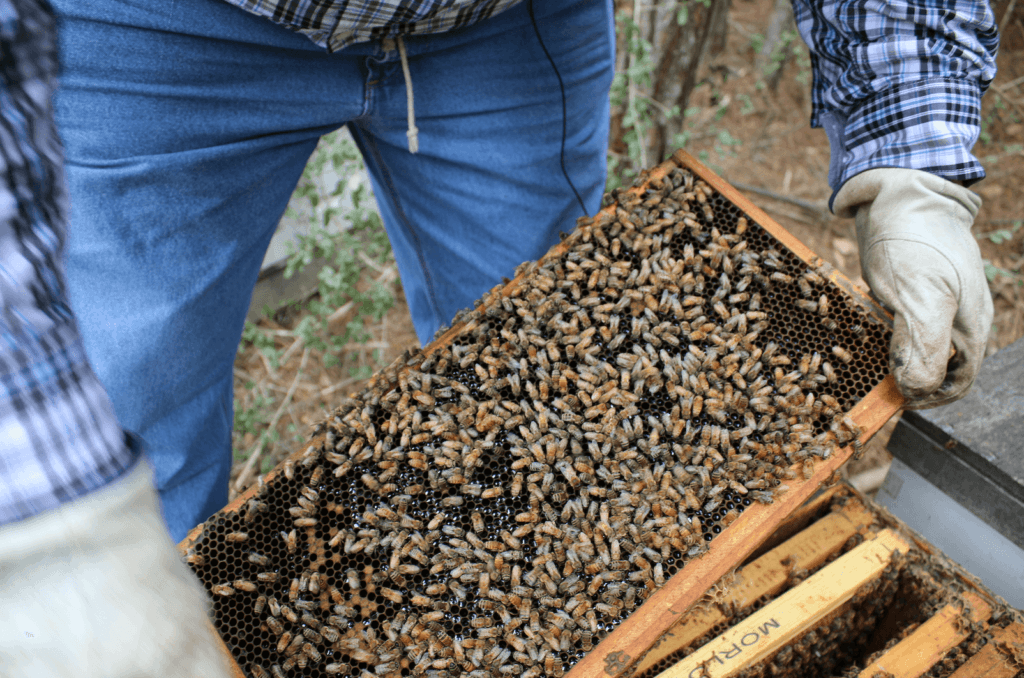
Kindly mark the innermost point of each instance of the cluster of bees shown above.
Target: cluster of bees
(496, 505)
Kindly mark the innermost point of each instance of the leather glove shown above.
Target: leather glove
(921, 261)
(95, 588)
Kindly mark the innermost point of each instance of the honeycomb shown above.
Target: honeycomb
(497, 504)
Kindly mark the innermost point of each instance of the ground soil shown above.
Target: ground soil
(770, 146)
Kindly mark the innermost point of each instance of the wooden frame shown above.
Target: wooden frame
(917, 653)
(992, 661)
(820, 598)
(619, 651)
(766, 576)
(792, 614)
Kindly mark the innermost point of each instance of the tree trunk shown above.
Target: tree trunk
(777, 49)
(657, 73)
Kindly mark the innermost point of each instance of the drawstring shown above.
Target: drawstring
(413, 133)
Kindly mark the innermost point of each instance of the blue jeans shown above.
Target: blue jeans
(186, 127)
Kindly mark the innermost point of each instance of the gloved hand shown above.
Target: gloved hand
(921, 261)
(95, 588)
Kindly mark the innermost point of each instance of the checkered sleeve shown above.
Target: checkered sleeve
(898, 83)
(59, 438)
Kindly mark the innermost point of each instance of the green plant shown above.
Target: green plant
(250, 419)
(627, 90)
(1002, 235)
(347, 234)
(779, 53)
(683, 11)
(748, 104)
(725, 143)
(992, 272)
(996, 110)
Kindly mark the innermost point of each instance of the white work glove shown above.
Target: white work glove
(96, 589)
(921, 261)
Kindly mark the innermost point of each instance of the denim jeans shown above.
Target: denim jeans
(186, 127)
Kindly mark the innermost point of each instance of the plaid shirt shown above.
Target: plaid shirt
(898, 83)
(59, 438)
(335, 24)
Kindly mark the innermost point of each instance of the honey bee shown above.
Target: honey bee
(283, 641)
(258, 559)
(236, 537)
(363, 656)
(244, 585)
(858, 448)
(258, 671)
(290, 540)
(222, 589)
(391, 594)
(842, 354)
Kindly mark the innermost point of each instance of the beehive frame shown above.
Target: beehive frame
(846, 587)
(617, 653)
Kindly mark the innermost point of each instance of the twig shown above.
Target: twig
(803, 204)
(386, 276)
(292, 350)
(340, 312)
(1006, 16)
(802, 218)
(266, 362)
(633, 95)
(242, 374)
(1013, 83)
(368, 261)
(340, 385)
(282, 389)
(254, 454)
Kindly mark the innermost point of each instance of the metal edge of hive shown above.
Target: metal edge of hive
(621, 649)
